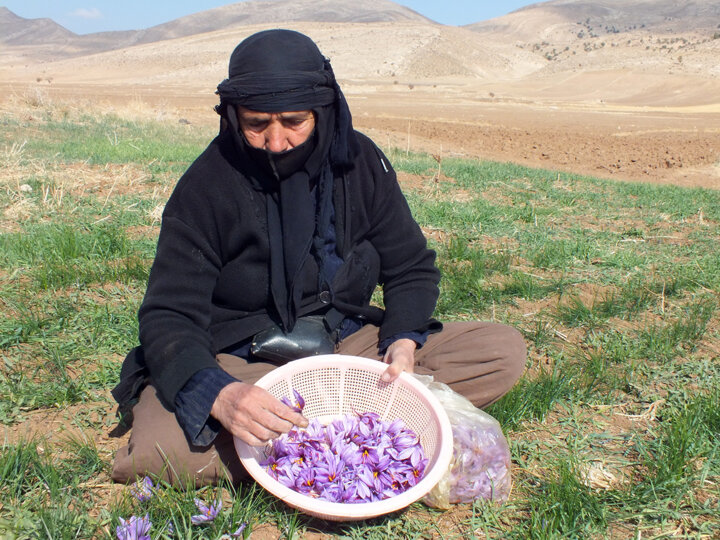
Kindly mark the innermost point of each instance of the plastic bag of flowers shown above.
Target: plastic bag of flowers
(480, 468)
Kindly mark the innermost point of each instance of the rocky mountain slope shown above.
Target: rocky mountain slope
(16, 31)
(565, 19)
(657, 52)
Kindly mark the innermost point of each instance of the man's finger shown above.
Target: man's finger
(391, 373)
(263, 433)
(287, 413)
(249, 438)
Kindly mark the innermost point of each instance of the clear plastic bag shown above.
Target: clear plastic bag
(480, 468)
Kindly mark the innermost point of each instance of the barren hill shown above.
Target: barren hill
(657, 52)
(409, 52)
(567, 19)
(272, 11)
(16, 31)
(45, 40)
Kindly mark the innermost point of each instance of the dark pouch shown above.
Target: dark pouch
(309, 337)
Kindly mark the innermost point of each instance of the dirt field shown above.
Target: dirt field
(679, 146)
(665, 146)
(638, 105)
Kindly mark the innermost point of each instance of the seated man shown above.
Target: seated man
(283, 227)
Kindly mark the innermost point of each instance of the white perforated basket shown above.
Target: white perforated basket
(334, 385)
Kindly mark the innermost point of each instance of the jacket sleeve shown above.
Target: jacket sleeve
(174, 317)
(408, 273)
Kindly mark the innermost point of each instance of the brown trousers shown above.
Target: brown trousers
(479, 360)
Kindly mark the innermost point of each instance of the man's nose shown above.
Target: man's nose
(275, 138)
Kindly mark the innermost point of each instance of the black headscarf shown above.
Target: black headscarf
(279, 71)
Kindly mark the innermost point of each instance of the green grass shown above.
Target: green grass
(98, 140)
(614, 286)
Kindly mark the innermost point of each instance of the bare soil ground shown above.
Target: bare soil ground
(679, 147)
(667, 145)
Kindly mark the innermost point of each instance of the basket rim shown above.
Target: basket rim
(350, 511)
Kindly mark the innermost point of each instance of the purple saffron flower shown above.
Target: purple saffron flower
(395, 427)
(394, 486)
(207, 513)
(332, 492)
(415, 473)
(363, 483)
(370, 419)
(368, 454)
(135, 528)
(143, 490)
(287, 480)
(239, 530)
(314, 435)
(305, 481)
(348, 453)
(328, 469)
(343, 425)
(348, 493)
(271, 466)
(297, 404)
(381, 473)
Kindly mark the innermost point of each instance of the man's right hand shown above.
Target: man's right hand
(253, 414)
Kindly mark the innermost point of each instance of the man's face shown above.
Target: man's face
(276, 132)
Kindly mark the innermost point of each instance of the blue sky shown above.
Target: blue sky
(86, 16)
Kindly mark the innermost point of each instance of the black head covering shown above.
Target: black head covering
(278, 71)
(283, 70)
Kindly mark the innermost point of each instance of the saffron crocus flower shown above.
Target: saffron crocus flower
(362, 483)
(239, 530)
(135, 528)
(394, 428)
(381, 473)
(207, 513)
(297, 404)
(305, 481)
(314, 435)
(368, 454)
(270, 465)
(330, 468)
(143, 490)
(347, 452)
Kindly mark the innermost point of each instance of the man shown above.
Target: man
(270, 248)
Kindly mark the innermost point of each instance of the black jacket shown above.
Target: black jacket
(209, 284)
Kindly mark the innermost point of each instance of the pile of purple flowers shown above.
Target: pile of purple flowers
(481, 464)
(355, 459)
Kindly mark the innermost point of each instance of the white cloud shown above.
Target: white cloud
(87, 13)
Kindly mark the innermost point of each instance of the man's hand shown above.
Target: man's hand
(253, 414)
(401, 357)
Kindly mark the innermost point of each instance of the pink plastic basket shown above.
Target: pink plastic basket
(334, 385)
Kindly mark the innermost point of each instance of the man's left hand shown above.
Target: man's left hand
(401, 357)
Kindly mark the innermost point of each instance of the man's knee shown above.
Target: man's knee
(515, 353)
